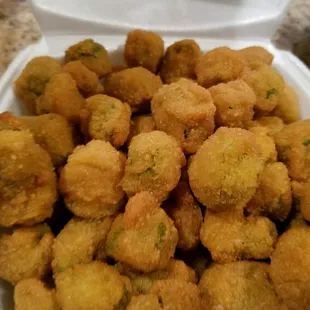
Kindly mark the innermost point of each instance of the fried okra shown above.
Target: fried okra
(140, 124)
(142, 282)
(168, 294)
(238, 286)
(228, 179)
(106, 118)
(154, 164)
(273, 197)
(97, 162)
(256, 56)
(61, 96)
(267, 84)
(289, 268)
(219, 65)
(78, 242)
(86, 80)
(293, 144)
(273, 124)
(186, 215)
(230, 237)
(136, 86)
(144, 48)
(301, 193)
(179, 61)
(92, 55)
(31, 83)
(177, 294)
(26, 253)
(266, 143)
(185, 111)
(28, 187)
(234, 103)
(288, 108)
(53, 133)
(144, 237)
(32, 294)
(91, 286)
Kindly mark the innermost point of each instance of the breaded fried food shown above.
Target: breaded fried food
(32, 294)
(92, 54)
(9, 121)
(31, 83)
(288, 108)
(289, 268)
(273, 197)
(185, 111)
(140, 124)
(266, 143)
(186, 215)
(256, 56)
(142, 302)
(272, 123)
(234, 103)
(78, 242)
(91, 286)
(293, 144)
(301, 192)
(136, 86)
(61, 96)
(223, 174)
(142, 282)
(89, 182)
(144, 49)
(176, 294)
(219, 65)
(53, 133)
(144, 237)
(26, 253)
(238, 286)
(267, 84)
(106, 118)
(179, 61)
(230, 237)
(86, 80)
(154, 164)
(28, 187)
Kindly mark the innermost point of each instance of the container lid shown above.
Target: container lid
(203, 18)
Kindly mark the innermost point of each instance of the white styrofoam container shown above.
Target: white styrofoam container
(212, 23)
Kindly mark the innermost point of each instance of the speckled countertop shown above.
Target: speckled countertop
(19, 28)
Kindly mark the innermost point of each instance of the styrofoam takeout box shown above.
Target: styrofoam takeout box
(212, 23)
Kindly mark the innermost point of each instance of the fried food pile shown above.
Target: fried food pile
(180, 181)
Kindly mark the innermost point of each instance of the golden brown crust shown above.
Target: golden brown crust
(92, 54)
(256, 56)
(234, 103)
(89, 165)
(32, 81)
(144, 48)
(289, 269)
(136, 86)
(232, 178)
(26, 253)
(154, 164)
(32, 294)
(185, 111)
(28, 186)
(219, 65)
(61, 96)
(238, 286)
(179, 61)
(230, 237)
(106, 118)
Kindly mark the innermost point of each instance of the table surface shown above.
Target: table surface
(18, 28)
